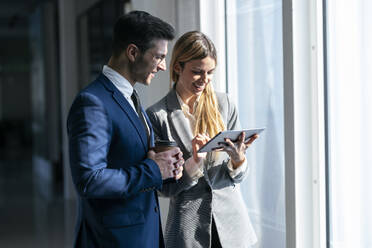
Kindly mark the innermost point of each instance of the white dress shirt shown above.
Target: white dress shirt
(199, 173)
(121, 83)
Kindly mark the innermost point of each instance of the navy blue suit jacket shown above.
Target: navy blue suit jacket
(115, 181)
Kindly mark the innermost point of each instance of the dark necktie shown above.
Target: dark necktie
(137, 106)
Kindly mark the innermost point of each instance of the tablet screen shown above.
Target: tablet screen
(233, 135)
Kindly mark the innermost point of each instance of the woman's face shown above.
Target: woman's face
(194, 76)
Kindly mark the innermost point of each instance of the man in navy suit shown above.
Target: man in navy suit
(115, 174)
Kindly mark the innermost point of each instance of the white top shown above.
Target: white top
(199, 173)
(121, 83)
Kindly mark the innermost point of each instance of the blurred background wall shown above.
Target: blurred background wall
(49, 50)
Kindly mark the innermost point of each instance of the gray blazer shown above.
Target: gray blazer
(192, 203)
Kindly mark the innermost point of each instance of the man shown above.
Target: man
(115, 175)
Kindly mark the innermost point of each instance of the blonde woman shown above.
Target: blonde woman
(206, 207)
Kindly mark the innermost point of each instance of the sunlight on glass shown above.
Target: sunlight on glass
(255, 72)
(349, 38)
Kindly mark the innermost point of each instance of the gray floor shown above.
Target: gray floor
(27, 218)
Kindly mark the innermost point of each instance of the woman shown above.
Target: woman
(206, 207)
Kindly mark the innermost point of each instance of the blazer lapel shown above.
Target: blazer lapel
(128, 110)
(151, 139)
(178, 122)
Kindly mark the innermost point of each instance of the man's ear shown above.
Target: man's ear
(132, 52)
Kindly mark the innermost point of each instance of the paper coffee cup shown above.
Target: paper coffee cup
(164, 145)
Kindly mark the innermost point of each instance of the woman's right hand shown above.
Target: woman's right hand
(193, 164)
(199, 141)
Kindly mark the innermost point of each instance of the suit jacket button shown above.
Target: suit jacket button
(156, 209)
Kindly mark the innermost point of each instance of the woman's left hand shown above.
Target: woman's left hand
(236, 150)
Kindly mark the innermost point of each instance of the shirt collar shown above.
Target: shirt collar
(184, 106)
(120, 82)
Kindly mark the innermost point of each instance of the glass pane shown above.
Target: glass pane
(95, 27)
(349, 77)
(34, 212)
(255, 73)
(30, 165)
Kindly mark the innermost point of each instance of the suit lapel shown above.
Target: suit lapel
(151, 140)
(178, 122)
(128, 110)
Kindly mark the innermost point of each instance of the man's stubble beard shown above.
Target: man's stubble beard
(137, 71)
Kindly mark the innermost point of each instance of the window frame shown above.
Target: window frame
(304, 110)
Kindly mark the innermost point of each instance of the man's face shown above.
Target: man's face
(150, 62)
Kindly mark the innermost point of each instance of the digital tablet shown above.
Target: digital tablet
(233, 135)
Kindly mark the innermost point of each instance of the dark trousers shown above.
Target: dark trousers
(215, 239)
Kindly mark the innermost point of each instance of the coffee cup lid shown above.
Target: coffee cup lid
(165, 143)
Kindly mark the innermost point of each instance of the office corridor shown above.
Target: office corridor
(27, 217)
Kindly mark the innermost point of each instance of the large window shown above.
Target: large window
(255, 80)
(349, 86)
(95, 27)
(324, 123)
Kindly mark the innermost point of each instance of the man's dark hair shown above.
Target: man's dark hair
(141, 29)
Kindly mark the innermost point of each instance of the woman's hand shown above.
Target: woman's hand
(236, 150)
(192, 164)
(199, 141)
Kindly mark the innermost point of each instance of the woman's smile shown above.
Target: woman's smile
(199, 86)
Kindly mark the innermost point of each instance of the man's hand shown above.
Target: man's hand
(170, 162)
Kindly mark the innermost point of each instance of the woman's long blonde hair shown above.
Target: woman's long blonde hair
(190, 46)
